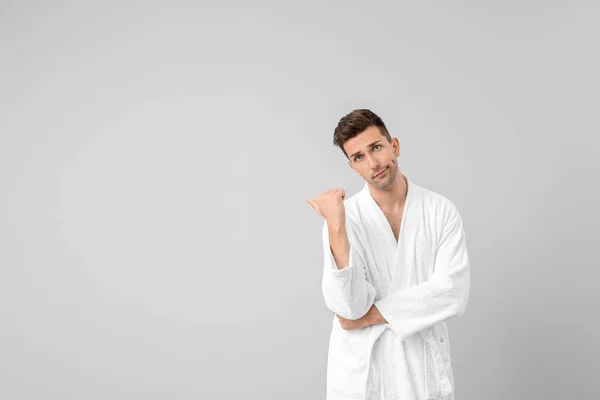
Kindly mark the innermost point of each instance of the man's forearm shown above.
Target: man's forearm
(340, 245)
(372, 317)
(376, 317)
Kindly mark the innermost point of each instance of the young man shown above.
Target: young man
(396, 269)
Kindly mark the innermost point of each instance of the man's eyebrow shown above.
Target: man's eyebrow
(370, 145)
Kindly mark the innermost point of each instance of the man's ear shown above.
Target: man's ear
(398, 142)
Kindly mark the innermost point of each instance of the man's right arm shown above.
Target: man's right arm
(345, 287)
(339, 245)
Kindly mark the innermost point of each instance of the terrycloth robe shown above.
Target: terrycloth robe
(417, 283)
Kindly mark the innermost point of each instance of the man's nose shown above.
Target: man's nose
(373, 163)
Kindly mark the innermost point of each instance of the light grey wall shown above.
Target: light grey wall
(155, 159)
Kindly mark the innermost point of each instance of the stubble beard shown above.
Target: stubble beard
(388, 181)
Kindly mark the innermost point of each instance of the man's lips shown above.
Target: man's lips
(381, 172)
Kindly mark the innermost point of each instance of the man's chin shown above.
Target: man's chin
(381, 184)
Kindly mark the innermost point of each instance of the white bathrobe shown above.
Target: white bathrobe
(416, 283)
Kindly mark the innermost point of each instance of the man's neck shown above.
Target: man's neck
(393, 198)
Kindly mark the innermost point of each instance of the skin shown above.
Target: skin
(389, 191)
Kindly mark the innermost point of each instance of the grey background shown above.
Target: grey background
(156, 158)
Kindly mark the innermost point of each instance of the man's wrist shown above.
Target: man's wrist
(375, 317)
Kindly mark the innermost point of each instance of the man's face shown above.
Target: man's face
(371, 153)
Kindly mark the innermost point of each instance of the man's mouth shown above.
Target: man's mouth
(381, 172)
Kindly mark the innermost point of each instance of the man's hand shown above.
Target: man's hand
(330, 205)
(372, 317)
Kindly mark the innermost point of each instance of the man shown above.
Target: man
(396, 269)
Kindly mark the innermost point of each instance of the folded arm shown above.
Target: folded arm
(443, 296)
(346, 290)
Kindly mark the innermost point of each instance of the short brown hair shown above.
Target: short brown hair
(354, 123)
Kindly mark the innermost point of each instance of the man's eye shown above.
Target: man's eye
(377, 145)
(356, 158)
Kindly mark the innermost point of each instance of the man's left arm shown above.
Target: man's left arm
(443, 296)
(372, 317)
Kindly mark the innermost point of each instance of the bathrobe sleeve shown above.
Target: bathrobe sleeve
(347, 291)
(443, 296)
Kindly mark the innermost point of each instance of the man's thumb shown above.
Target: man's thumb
(314, 205)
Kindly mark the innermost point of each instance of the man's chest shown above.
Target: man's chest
(394, 219)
